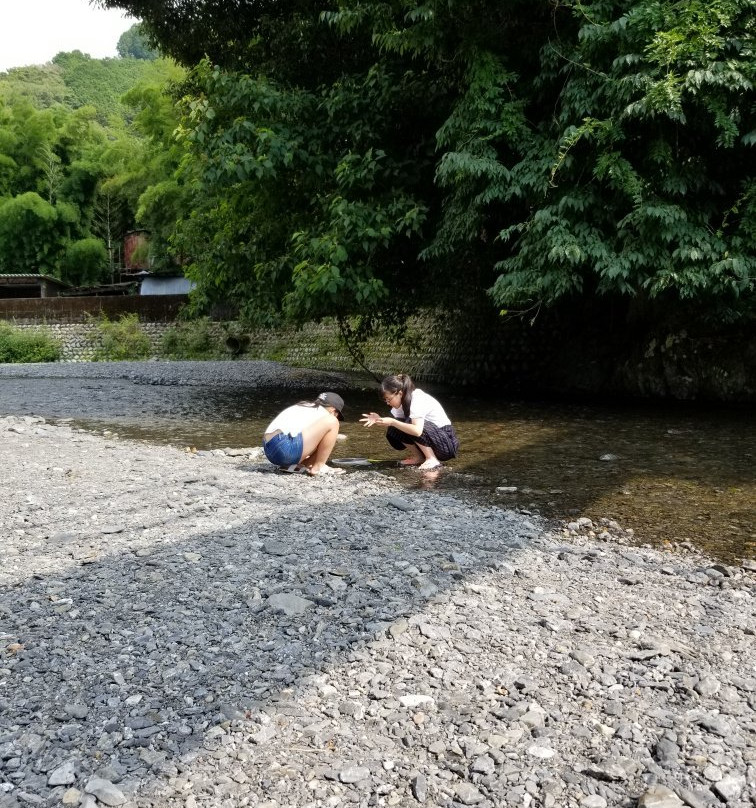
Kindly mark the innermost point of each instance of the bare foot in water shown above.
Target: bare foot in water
(430, 463)
(410, 461)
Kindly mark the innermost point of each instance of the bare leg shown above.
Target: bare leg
(318, 441)
(430, 460)
(416, 456)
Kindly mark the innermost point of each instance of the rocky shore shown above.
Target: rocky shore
(196, 629)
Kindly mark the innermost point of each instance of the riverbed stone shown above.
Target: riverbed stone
(659, 796)
(729, 788)
(71, 796)
(467, 794)
(105, 791)
(289, 604)
(468, 655)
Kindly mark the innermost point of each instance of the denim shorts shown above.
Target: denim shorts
(283, 450)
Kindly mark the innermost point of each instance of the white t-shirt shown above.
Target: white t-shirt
(425, 407)
(294, 419)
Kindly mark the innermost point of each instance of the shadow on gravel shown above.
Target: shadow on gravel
(130, 661)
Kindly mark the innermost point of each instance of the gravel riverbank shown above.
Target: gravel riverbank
(240, 372)
(195, 629)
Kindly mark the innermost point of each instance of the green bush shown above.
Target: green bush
(120, 340)
(191, 340)
(85, 262)
(25, 345)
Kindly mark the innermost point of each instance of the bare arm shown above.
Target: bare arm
(414, 428)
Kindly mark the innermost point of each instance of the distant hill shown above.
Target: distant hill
(74, 80)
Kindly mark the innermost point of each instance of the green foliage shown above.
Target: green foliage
(27, 345)
(652, 162)
(193, 339)
(100, 83)
(120, 340)
(43, 86)
(33, 233)
(160, 197)
(85, 262)
(135, 44)
(66, 137)
(281, 38)
(362, 158)
(295, 214)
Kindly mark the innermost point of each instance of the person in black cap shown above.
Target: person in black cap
(301, 437)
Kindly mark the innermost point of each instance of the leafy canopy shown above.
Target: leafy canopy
(77, 153)
(360, 157)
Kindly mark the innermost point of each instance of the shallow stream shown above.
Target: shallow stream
(671, 473)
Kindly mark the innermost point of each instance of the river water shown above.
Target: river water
(671, 473)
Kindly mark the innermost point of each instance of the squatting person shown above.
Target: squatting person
(417, 422)
(301, 437)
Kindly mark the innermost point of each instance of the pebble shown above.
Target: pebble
(63, 775)
(105, 791)
(72, 796)
(250, 638)
(660, 797)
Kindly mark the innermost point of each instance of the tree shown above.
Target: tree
(135, 44)
(42, 85)
(309, 208)
(347, 157)
(235, 33)
(33, 234)
(644, 195)
(52, 170)
(161, 198)
(109, 224)
(85, 262)
(90, 175)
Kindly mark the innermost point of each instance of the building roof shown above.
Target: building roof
(9, 278)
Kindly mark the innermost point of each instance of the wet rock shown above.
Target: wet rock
(400, 503)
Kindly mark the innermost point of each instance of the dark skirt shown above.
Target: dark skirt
(442, 439)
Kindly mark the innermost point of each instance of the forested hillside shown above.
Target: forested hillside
(81, 142)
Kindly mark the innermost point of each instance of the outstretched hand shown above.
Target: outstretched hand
(370, 418)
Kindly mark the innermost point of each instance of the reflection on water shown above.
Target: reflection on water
(671, 473)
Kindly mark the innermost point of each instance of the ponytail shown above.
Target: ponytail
(400, 383)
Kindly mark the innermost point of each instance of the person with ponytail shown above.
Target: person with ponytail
(417, 423)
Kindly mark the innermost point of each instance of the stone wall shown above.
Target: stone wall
(79, 341)
(559, 355)
(565, 353)
(72, 321)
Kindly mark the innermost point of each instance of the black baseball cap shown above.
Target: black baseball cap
(332, 400)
